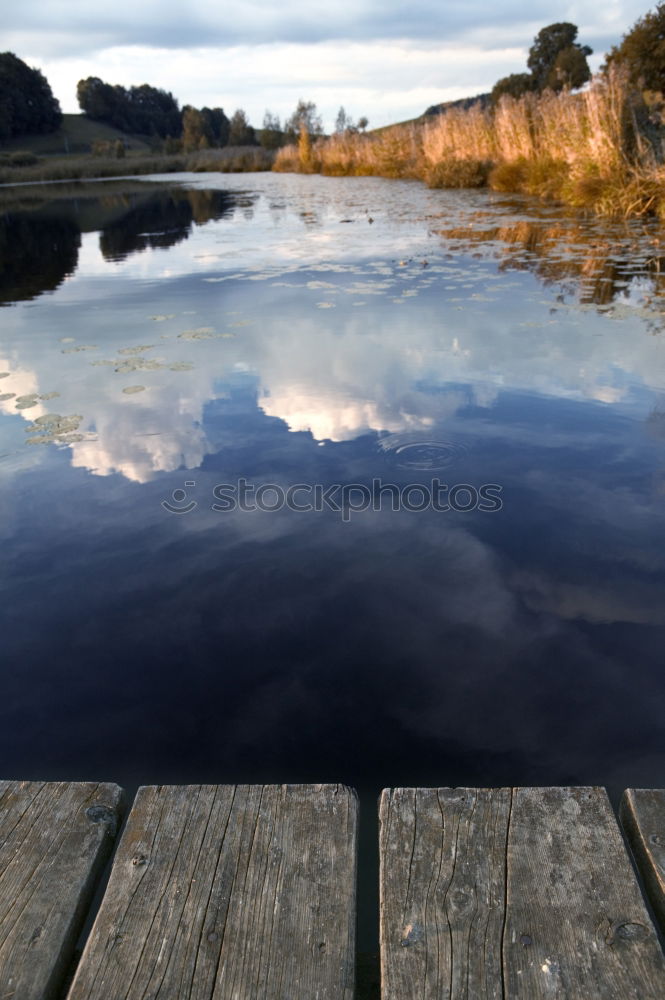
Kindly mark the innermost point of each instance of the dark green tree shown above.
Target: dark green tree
(556, 60)
(102, 102)
(570, 68)
(515, 85)
(642, 50)
(216, 125)
(144, 109)
(152, 111)
(27, 103)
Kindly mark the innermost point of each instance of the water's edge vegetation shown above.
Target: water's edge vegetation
(600, 149)
(230, 159)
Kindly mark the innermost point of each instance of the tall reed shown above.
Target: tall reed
(589, 149)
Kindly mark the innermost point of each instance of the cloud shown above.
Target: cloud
(385, 60)
(330, 73)
(157, 24)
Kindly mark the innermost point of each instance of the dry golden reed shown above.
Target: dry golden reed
(588, 149)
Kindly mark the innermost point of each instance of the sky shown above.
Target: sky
(386, 60)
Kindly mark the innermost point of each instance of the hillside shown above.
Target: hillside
(435, 109)
(75, 135)
(463, 102)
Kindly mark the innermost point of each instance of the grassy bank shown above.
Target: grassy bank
(76, 134)
(596, 150)
(22, 166)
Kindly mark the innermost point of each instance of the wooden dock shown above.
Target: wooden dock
(245, 892)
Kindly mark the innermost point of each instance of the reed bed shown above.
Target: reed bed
(395, 152)
(596, 149)
(231, 159)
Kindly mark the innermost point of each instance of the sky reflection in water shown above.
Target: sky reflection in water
(269, 330)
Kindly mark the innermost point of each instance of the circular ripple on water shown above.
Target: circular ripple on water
(418, 452)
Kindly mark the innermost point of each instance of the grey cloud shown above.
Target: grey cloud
(39, 25)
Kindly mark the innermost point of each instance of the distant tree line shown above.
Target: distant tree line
(144, 110)
(27, 103)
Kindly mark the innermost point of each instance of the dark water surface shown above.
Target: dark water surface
(288, 330)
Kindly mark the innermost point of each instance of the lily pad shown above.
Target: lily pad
(203, 333)
(25, 402)
(139, 349)
(138, 364)
(129, 390)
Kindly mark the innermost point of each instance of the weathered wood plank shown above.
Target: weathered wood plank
(239, 892)
(442, 881)
(576, 922)
(642, 815)
(500, 893)
(54, 840)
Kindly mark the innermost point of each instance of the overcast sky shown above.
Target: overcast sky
(386, 59)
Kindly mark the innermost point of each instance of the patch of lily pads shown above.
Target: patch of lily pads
(30, 399)
(53, 428)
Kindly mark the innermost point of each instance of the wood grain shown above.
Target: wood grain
(511, 893)
(221, 892)
(54, 840)
(642, 815)
(442, 879)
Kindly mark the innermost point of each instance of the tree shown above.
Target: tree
(363, 122)
(27, 103)
(241, 132)
(305, 115)
(193, 130)
(515, 85)
(152, 111)
(305, 155)
(344, 122)
(142, 109)
(97, 100)
(216, 126)
(271, 136)
(642, 50)
(570, 68)
(556, 60)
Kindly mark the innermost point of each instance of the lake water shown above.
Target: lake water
(378, 346)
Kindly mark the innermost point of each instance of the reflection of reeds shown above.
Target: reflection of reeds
(586, 149)
(597, 267)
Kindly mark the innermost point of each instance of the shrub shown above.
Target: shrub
(22, 158)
